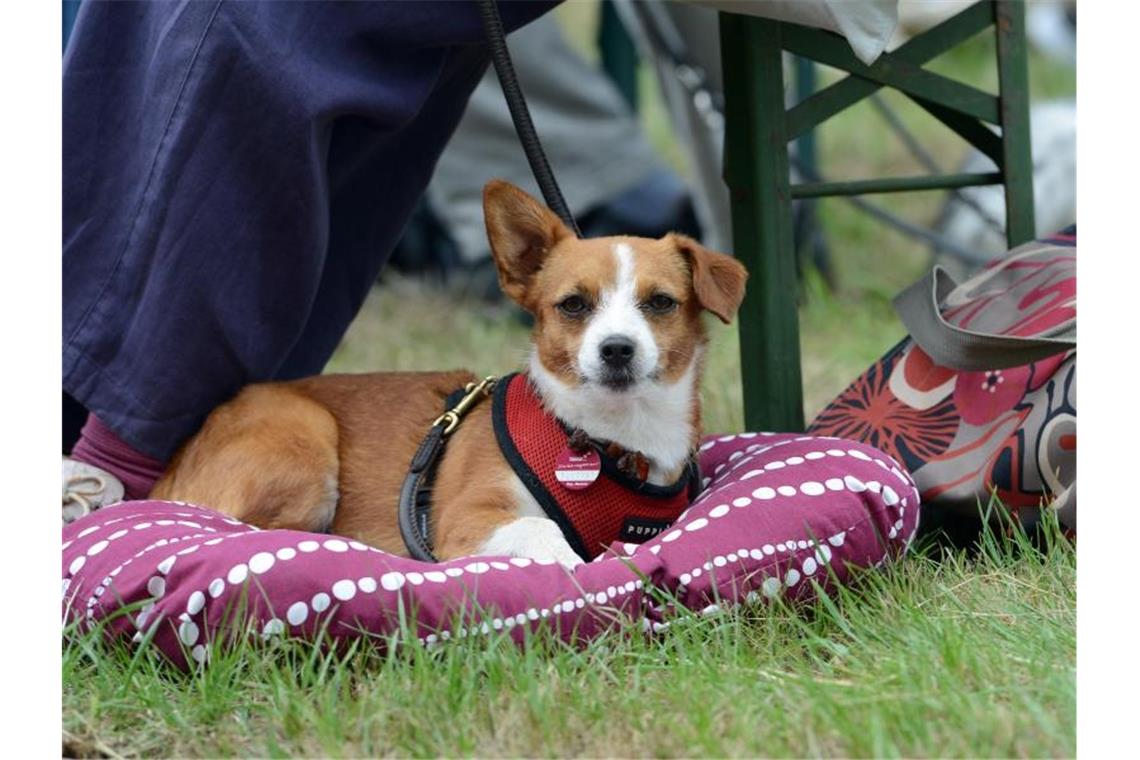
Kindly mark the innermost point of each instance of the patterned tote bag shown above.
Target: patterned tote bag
(980, 399)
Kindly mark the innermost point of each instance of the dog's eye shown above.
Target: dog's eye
(660, 303)
(573, 306)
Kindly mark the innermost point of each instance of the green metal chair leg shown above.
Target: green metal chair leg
(757, 130)
(756, 170)
(1017, 153)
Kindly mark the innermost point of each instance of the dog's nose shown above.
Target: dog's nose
(617, 351)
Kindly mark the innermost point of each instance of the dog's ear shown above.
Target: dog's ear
(718, 280)
(521, 232)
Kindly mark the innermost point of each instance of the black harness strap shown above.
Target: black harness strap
(526, 475)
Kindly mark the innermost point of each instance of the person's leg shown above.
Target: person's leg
(375, 181)
(234, 176)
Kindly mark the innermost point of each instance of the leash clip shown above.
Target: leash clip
(474, 393)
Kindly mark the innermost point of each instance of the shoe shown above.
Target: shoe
(87, 488)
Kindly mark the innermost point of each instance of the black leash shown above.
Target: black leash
(520, 114)
(415, 494)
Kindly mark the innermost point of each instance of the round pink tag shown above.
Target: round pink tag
(577, 471)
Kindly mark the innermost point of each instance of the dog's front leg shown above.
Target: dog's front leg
(538, 538)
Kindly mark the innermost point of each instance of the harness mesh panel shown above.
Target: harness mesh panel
(596, 514)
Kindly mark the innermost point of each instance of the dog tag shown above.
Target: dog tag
(577, 471)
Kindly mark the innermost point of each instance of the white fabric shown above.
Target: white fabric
(868, 25)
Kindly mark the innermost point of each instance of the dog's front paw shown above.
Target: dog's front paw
(564, 556)
(535, 538)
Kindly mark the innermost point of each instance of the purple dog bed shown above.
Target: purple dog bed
(779, 512)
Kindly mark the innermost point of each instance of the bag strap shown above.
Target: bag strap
(956, 348)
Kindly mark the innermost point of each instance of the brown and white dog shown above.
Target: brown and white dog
(618, 345)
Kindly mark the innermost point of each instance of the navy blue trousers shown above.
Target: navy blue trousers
(234, 176)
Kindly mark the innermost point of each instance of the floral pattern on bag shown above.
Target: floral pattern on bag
(871, 412)
(966, 435)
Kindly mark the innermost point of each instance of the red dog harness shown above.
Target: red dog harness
(614, 507)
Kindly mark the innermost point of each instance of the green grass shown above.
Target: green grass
(950, 657)
(954, 656)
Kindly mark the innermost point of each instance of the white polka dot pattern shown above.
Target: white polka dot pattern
(344, 590)
(779, 509)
